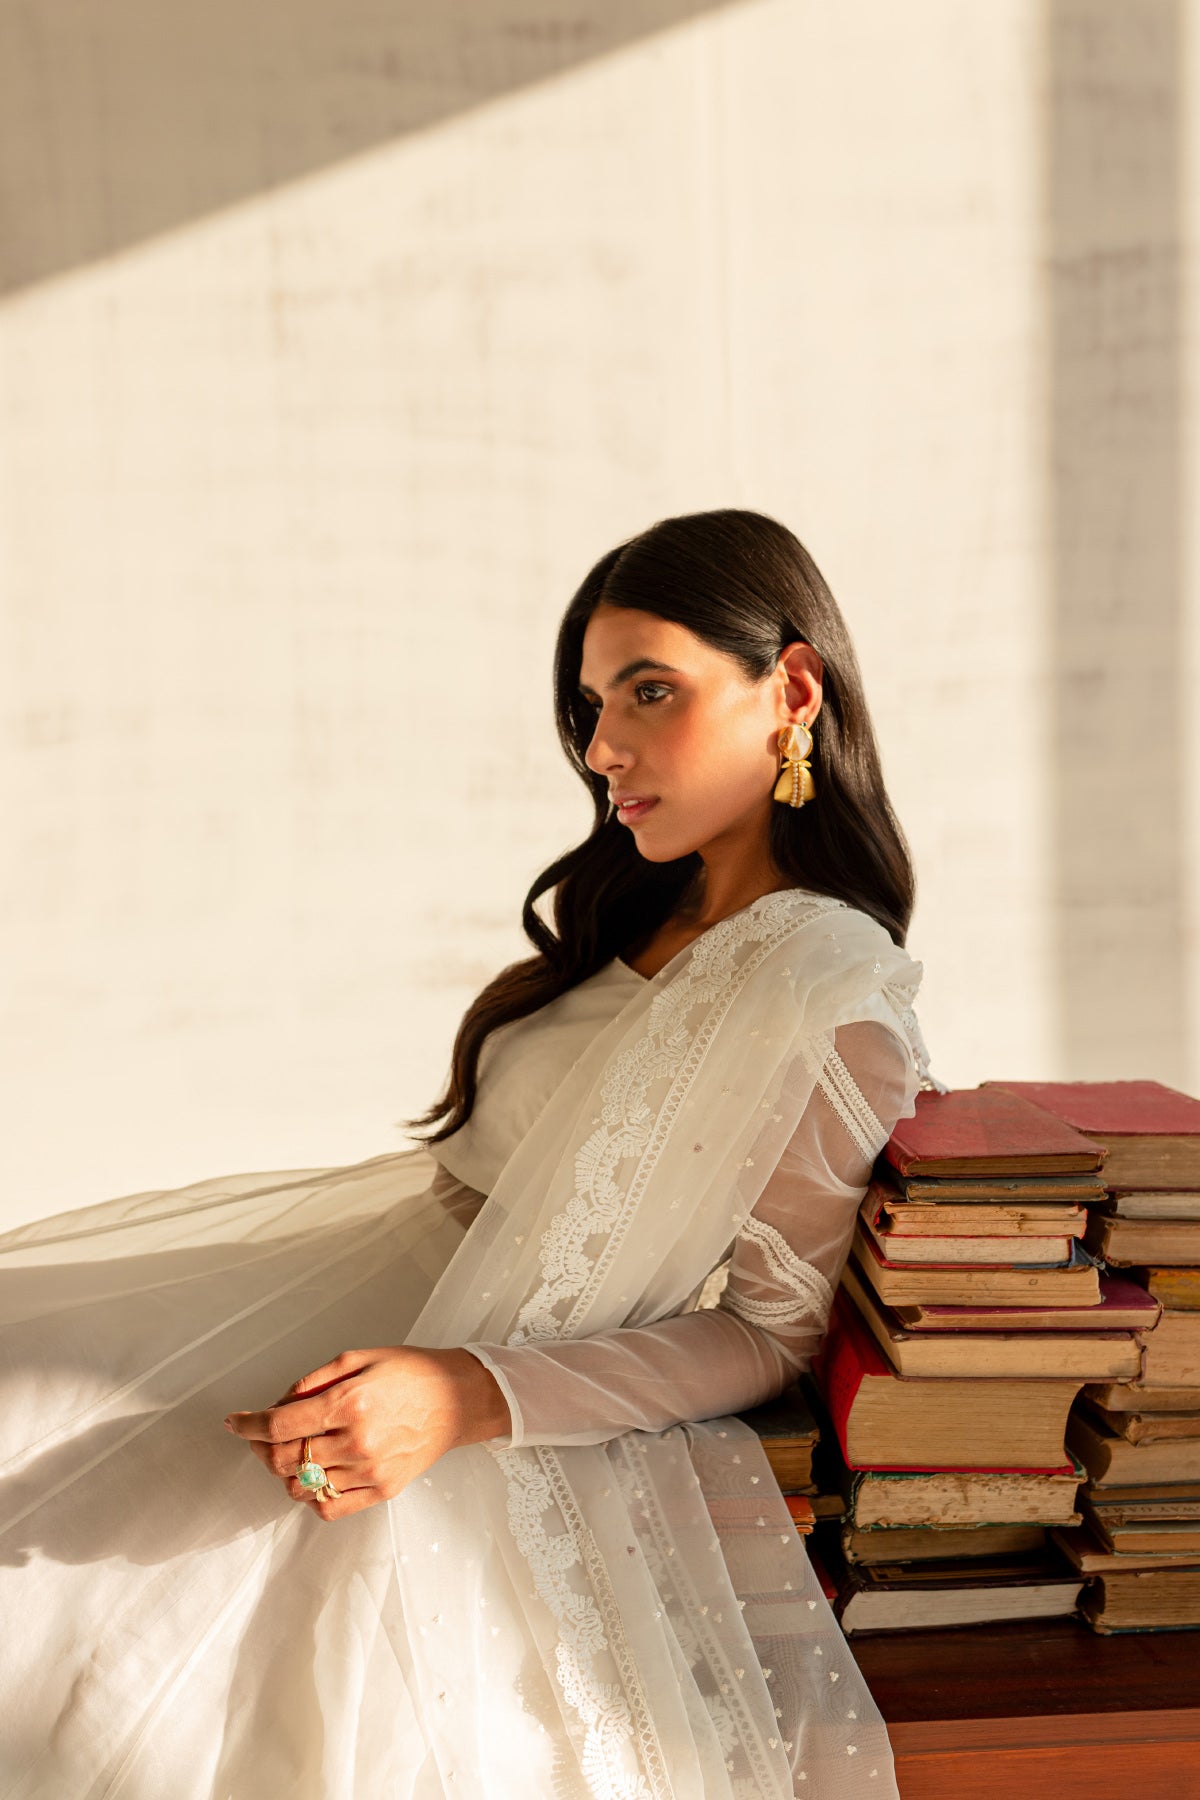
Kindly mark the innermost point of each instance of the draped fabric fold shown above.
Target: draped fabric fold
(633, 1618)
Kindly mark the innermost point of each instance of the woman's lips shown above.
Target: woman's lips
(635, 810)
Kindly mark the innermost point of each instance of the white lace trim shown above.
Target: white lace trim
(732, 1718)
(770, 1314)
(850, 1103)
(616, 1717)
(627, 1125)
(815, 1294)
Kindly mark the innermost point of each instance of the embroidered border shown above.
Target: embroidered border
(628, 1126)
(618, 1718)
(727, 1708)
(615, 1718)
(850, 1103)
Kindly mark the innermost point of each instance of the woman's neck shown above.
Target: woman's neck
(709, 898)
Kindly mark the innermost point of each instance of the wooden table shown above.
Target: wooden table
(1047, 1711)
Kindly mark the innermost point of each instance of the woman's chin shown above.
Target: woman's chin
(660, 849)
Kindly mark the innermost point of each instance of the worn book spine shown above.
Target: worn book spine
(848, 1356)
(1177, 1288)
(1143, 1241)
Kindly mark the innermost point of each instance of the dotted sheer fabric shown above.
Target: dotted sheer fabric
(751, 1327)
(761, 1317)
(611, 1601)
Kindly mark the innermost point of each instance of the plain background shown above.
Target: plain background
(337, 343)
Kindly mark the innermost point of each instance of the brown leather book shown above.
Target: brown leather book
(1110, 1458)
(951, 1591)
(1129, 1242)
(966, 1284)
(1135, 1396)
(1171, 1351)
(1092, 1554)
(1146, 1427)
(920, 1543)
(1123, 1305)
(1178, 1289)
(907, 1239)
(1150, 1133)
(789, 1434)
(1085, 1187)
(1153, 1203)
(886, 1421)
(940, 1497)
(1087, 1355)
(1143, 1600)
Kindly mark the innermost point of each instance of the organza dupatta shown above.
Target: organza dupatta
(647, 1595)
(632, 1617)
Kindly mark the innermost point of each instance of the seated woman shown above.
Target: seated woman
(517, 1543)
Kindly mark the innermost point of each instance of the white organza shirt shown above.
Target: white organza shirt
(758, 1320)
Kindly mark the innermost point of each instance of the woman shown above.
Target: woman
(522, 1547)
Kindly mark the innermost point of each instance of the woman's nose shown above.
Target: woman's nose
(601, 755)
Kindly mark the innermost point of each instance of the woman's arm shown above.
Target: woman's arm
(379, 1418)
(772, 1315)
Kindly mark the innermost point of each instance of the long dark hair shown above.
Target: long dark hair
(746, 585)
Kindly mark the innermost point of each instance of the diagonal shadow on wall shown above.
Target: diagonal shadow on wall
(122, 120)
(1112, 206)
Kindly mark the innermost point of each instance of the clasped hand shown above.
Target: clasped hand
(376, 1420)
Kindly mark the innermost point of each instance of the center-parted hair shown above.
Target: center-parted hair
(746, 585)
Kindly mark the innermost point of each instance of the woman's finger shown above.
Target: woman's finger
(317, 1381)
(285, 1424)
(342, 1479)
(349, 1500)
(285, 1459)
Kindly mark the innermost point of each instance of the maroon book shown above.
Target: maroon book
(1123, 1305)
(987, 1131)
(1151, 1133)
(1117, 1108)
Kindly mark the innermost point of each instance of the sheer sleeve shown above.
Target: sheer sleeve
(779, 1275)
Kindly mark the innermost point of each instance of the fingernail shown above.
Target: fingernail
(229, 1424)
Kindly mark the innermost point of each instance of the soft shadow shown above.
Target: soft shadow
(122, 121)
(1112, 203)
(141, 1357)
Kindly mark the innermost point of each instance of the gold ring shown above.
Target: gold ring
(312, 1476)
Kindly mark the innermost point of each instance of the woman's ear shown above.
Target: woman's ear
(802, 673)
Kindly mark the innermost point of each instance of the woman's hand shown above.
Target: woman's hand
(377, 1419)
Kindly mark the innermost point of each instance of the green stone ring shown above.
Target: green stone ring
(312, 1476)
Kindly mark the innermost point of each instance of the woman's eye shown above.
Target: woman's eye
(642, 685)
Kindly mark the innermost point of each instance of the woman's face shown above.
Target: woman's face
(679, 725)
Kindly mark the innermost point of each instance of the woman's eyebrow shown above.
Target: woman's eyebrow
(637, 667)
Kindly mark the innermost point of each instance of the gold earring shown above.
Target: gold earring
(795, 784)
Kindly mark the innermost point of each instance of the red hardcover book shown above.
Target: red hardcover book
(1125, 1108)
(987, 1131)
(1151, 1133)
(847, 1356)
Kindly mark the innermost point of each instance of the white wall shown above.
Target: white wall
(333, 353)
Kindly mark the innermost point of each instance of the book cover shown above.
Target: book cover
(1150, 1132)
(987, 1131)
(847, 1357)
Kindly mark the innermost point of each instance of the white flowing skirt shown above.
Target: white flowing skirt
(177, 1628)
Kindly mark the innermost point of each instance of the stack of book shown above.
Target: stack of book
(1138, 1437)
(970, 1317)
